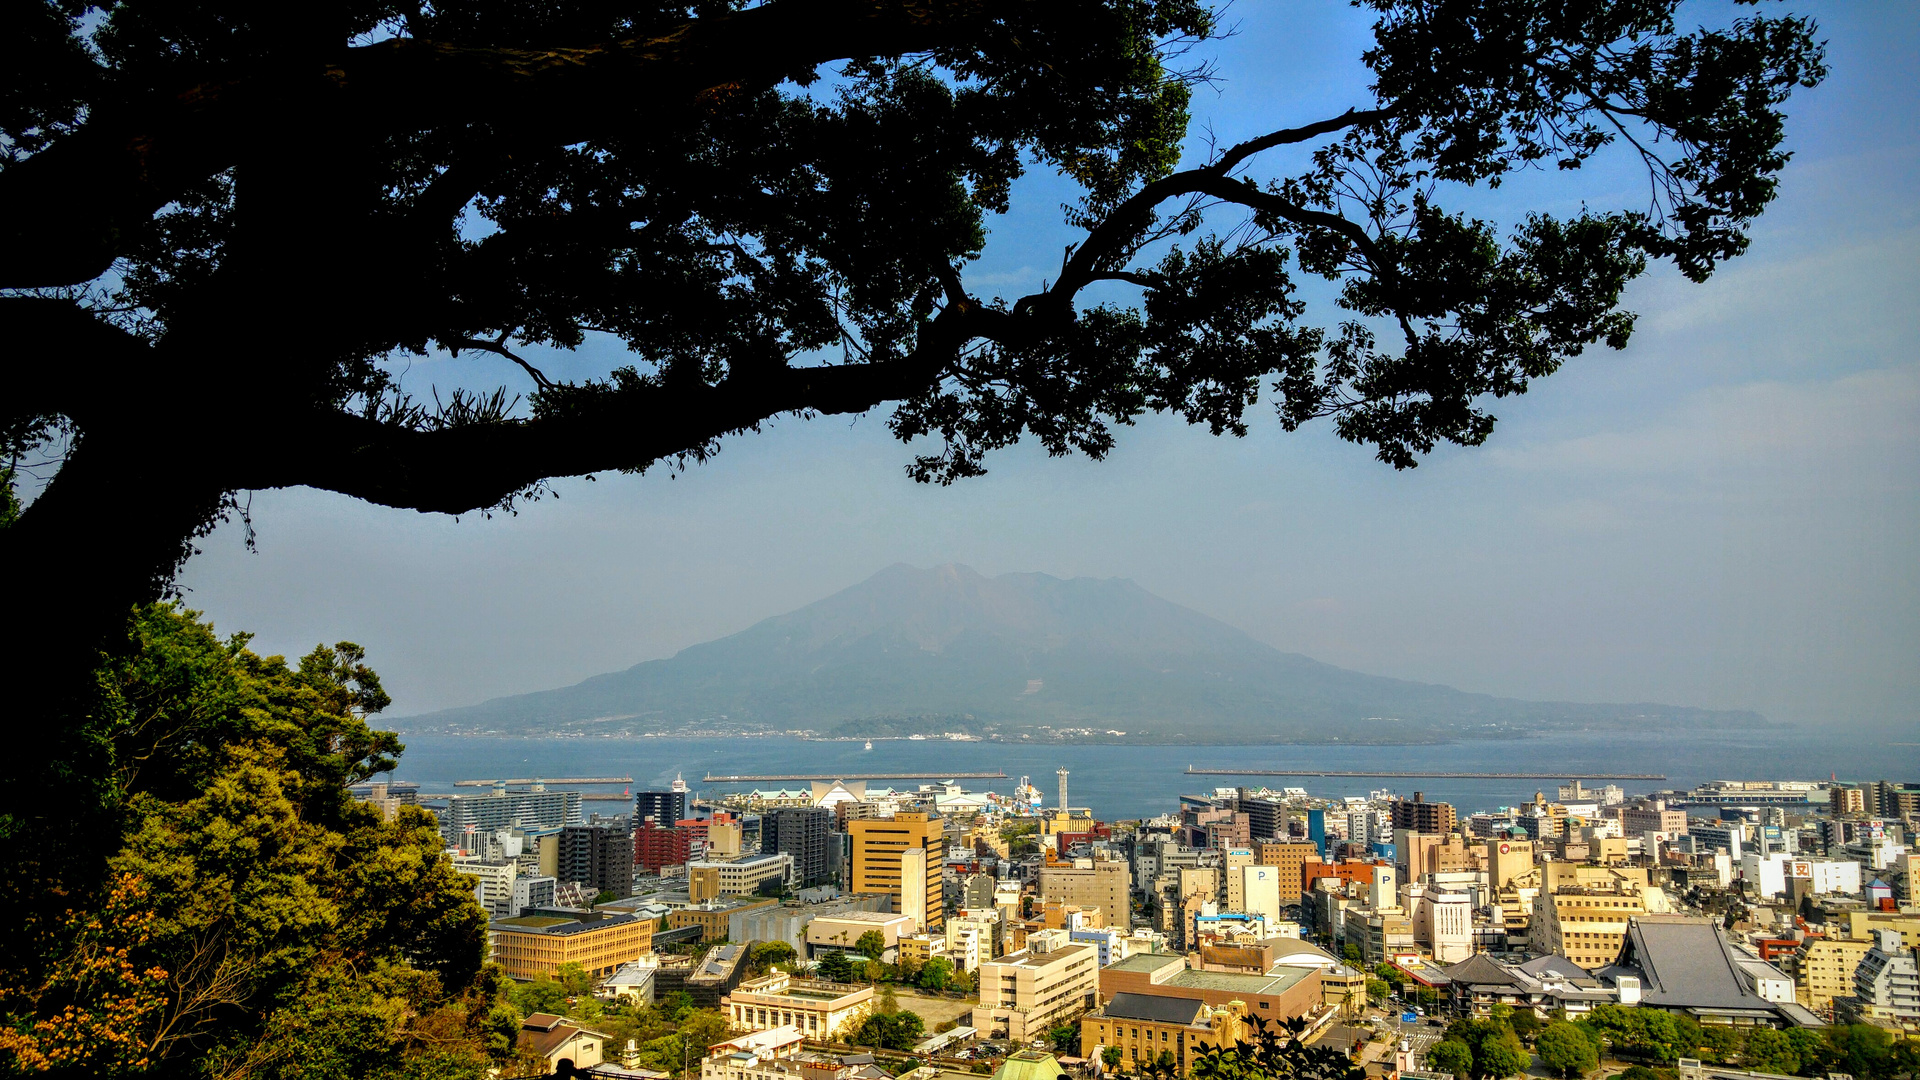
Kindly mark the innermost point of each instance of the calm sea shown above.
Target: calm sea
(1121, 782)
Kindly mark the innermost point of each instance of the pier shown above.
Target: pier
(1564, 775)
(831, 777)
(548, 780)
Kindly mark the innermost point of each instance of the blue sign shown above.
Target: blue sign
(1409, 1018)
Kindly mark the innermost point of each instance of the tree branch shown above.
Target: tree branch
(79, 201)
(461, 469)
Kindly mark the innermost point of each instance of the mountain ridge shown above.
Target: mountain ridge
(1023, 655)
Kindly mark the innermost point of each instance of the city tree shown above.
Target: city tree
(227, 225)
(1494, 1051)
(872, 945)
(1566, 1050)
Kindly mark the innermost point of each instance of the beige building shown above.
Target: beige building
(710, 879)
(843, 931)
(879, 845)
(921, 948)
(532, 947)
(1822, 969)
(972, 937)
(1508, 860)
(820, 1011)
(1025, 993)
(1103, 883)
(1234, 860)
(1586, 923)
(714, 917)
(1382, 934)
(1143, 1027)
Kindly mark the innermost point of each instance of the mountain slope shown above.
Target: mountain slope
(946, 649)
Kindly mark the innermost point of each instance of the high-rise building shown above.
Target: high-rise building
(878, 844)
(534, 808)
(664, 807)
(1103, 883)
(1419, 815)
(599, 856)
(1288, 858)
(806, 833)
(656, 847)
(1266, 818)
(1640, 820)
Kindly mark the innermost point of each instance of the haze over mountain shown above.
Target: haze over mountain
(1022, 656)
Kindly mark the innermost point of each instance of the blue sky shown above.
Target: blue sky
(1724, 514)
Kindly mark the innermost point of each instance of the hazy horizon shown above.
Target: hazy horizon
(1724, 515)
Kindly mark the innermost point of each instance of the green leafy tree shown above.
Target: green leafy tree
(1526, 1024)
(766, 954)
(574, 980)
(1351, 953)
(1111, 1056)
(1496, 1051)
(1451, 1056)
(258, 919)
(1566, 1050)
(459, 184)
(937, 975)
(891, 1030)
(1065, 1038)
(872, 945)
(1639, 1072)
(1377, 990)
(540, 996)
(1772, 1052)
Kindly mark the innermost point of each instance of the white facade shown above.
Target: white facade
(1260, 890)
(493, 885)
(1887, 982)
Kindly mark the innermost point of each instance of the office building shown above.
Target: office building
(1585, 923)
(1144, 1026)
(664, 807)
(599, 856)
(1640, 820)
(1419, 815)
(534, 947)
(878, 845)
(1103, 883)
(1266, 818)
(806, 833)
(1024, 994)
(1288, 858)
(765, 875)
(823, 1012)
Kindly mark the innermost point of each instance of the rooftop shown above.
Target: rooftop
(1155, 1008)
(1238, 984)
(1147, 962)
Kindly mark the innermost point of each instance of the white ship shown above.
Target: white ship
(869, 744)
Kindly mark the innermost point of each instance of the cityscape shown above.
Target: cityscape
(960, 540)
(872, 926)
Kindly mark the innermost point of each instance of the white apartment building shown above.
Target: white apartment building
(1023, 994)
(493, 884)
(1886, 985)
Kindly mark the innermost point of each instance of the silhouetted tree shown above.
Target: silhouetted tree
(221, 218)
